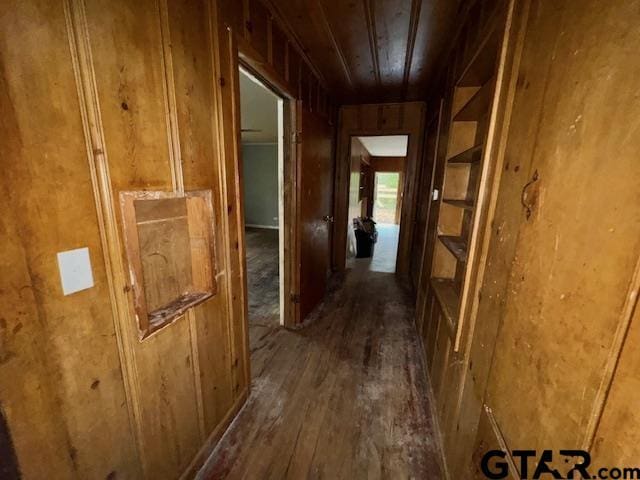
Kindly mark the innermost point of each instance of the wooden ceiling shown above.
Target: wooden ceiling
(371, 50)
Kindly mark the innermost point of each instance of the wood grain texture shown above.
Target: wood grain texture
(230, 171)
(306, 102)
(616, 439)
(96, 103)
(316, 203)
(343, 398)
(358, 206)
(459, 424)
(268, 45)
(387, 164)
(371, 51)
(57, 370)
(550, 308)
(573, 128)
(425, 217)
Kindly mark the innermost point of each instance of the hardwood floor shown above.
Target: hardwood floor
(343, 398)
(262, 282)
(384, 252)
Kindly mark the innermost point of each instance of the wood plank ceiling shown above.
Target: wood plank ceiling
(371, 50)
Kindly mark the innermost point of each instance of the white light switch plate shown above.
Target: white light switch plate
(75, 270)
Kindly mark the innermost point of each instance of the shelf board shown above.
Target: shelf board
(478, 106)
(482, 65)
(448, 298)
(178, 307)
(471, 155)
(466, 204)
(456, 245)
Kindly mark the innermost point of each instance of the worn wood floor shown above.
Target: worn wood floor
(343, 398)
(384, 252)
(262, 282)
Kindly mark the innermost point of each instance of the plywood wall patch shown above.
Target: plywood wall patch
(169, 242)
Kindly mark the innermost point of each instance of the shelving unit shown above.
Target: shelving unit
(169, 244)
(476, 108)
(456, 245)
(471, 155)
(472, 96)
(465, 204)
(447, 296)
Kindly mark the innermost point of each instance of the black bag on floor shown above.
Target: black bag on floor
(366, 236)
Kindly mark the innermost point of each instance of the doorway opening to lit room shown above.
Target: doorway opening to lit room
(376, 186)
(262, 166)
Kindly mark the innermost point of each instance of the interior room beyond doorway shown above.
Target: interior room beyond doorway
(261, 135)
(375, 201)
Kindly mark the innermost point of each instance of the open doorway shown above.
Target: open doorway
(262, 158)
(376, 182)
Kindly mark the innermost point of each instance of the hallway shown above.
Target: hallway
(385, 251)
(346, 397)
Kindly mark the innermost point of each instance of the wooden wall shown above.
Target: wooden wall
(267, 47)
(387, 164)
(99, 98)
(547, 354)
(359, 159)
(378, 119)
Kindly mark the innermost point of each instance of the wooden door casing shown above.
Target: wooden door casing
(373, 120)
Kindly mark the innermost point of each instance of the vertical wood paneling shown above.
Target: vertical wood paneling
(616, 437)
(229, 115)
(258, 18)
(138, 112)
(104, 97)
(549, 315)
(128, 87)
(561, 287)
(193, 72)
(127, 54)
(65, 399)
(295, 63)
(233, 14)
(278, 48)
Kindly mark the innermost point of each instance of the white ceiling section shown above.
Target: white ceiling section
(386, 145)
(258, 111)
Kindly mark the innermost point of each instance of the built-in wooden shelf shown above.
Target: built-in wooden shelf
(471, 155)
(447, 295)
(177, 308)
(456, 245)
(169, 240)
(466, 204)
(482, 65)
(478, 106)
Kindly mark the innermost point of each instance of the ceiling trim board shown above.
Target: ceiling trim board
(373, 38)
(334, 42)
(414, 20)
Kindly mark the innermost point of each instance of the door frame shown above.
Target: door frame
(341, 205)
(383, 119)
(289, 249)
(399, 192)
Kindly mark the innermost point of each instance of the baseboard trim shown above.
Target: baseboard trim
(269, 227)
(216, 435)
